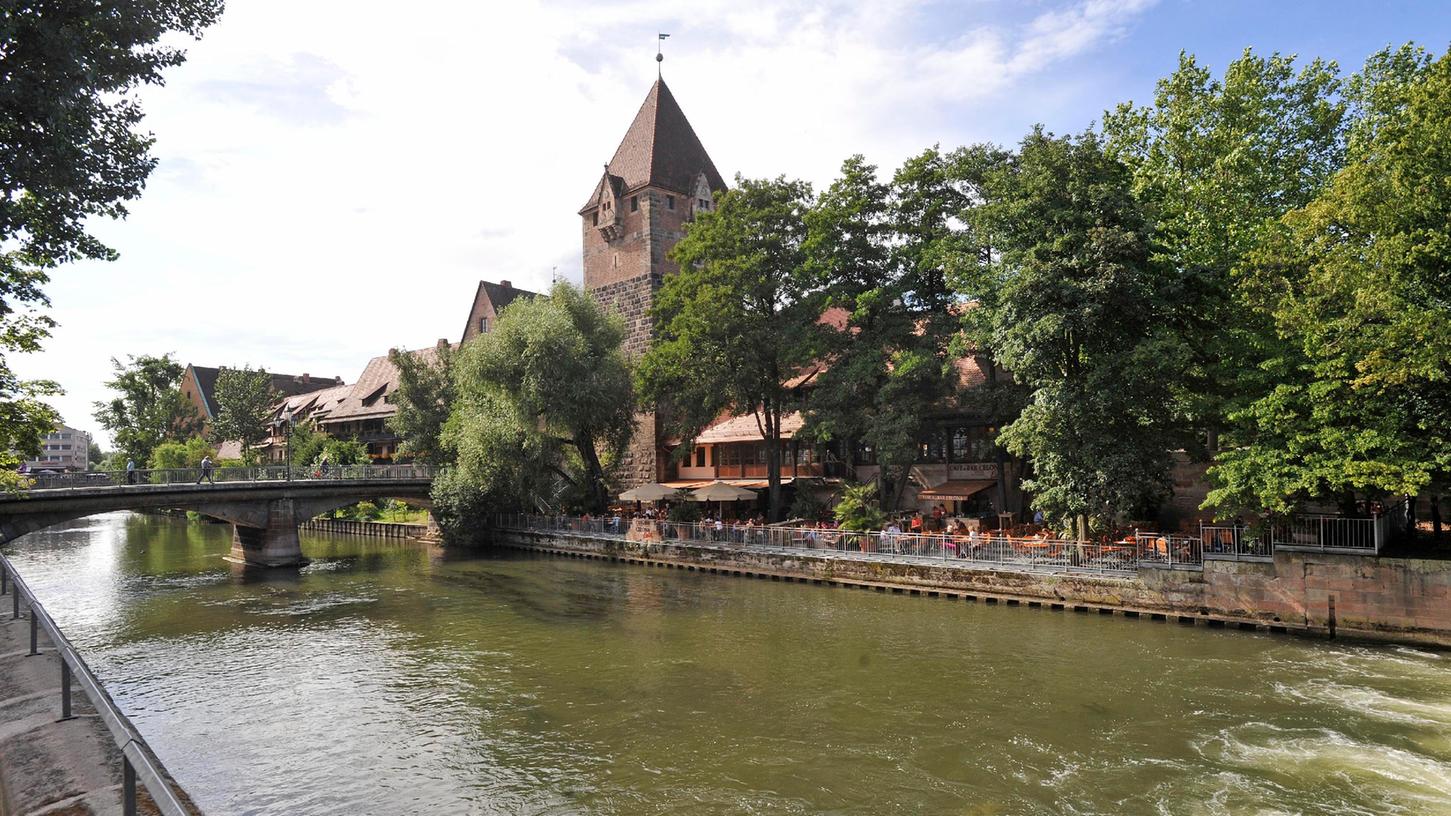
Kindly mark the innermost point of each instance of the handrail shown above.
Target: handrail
(138, 760)
(264, 473)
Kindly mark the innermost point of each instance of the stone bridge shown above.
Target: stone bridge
(263, 507)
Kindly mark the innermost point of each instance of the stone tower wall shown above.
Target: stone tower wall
(624, 275)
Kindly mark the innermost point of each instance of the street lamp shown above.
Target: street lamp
(287, 435)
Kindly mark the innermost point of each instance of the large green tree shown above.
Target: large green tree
(69, 151)
(1077, 316)
(543, 405)
(148, 408)
(423, 401)
(1358, 285)
(244, 398)
(739, 321)
(874, 251)
(1215, 161)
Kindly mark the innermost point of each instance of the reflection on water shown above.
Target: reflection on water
(393, 678)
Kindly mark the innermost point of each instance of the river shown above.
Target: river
(390, 677)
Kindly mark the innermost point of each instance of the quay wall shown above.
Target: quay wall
(380, 529)
(1399, 600)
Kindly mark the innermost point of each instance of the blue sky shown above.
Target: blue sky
(336, 176)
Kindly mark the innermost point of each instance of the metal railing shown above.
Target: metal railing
(986, 548)
(1235, 543)
(138, 760)
(262, 473)
(1330, 532)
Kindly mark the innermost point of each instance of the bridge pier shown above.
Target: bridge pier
(275, 545)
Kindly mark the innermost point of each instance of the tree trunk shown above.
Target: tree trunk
(596, 473)
(1082, 527)
(773, 464)
(1436, 518)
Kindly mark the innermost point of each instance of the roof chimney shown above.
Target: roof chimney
(442, 343)
(306, 378)
(506, 284)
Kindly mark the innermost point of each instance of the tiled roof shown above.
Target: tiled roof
(284, 385)
(661, 150)
(744, 429)
(367, 398)
(499, 294)
(313, 405)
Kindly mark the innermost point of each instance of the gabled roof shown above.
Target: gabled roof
(499, 294)
(368, 397)
(660, 150)
(283, 385)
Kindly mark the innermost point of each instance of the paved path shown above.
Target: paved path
(49, 766)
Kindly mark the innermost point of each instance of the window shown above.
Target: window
(700, 204)
(930, 447)
(597, 218)
(634, 203)
(960, 448)
(700, 456)
(483, 325)
(670, 202)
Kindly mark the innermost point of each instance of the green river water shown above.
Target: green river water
(391, 678)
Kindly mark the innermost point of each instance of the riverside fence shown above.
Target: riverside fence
(139, 762)
(991, 549)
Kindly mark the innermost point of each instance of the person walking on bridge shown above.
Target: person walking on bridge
(130, 471)
(206, 471)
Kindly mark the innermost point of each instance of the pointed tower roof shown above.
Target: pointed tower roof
(661, 149)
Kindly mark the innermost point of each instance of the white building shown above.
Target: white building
(65, 448)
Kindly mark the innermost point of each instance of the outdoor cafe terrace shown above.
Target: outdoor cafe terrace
(1037, 551)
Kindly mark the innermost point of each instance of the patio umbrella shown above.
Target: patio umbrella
(719, 491)
(648, 492)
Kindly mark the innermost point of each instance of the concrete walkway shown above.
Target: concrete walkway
(47, 765)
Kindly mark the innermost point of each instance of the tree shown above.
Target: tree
(423, 401)
(69, 152)
(1078, 318)
(174, 455)
(543, 405)
(94, 455)
(739, 320)
(1356, 283)
(149, 407)
(244, 400)
(875, 256)
(1215, 161)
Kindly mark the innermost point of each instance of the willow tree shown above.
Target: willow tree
(543, 404)
(739, 320)
(423, 400)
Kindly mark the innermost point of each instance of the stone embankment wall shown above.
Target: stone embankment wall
(1403, 600)
(380, 529)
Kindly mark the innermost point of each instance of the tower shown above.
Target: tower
(659, 178)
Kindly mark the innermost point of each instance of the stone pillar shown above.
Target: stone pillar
(275, 545)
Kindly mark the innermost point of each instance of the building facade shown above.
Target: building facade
(65, 448)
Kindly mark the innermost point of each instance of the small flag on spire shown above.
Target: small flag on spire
(664, 36)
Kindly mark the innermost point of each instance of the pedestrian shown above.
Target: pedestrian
(130, 471)
(206, 471)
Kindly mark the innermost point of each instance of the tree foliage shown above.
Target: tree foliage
(148, 408)
(739, 320)
(174, 454)
(69, 151)
(244, 399)
(543, 405)
(423, 401)
(1078, 318)
(1357, 285)
(1215, 160)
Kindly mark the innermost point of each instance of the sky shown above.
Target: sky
(336, 176)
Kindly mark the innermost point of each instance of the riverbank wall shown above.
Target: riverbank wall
(377, 529)
(1311, 593)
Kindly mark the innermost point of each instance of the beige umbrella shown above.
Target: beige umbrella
(719, 491)
(722, 492)
(648, 492)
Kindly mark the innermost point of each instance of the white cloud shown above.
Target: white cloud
(336, 176)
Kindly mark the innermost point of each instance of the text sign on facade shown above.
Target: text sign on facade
(972, 471)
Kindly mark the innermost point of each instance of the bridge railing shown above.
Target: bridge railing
(262, 473)
(137, 758)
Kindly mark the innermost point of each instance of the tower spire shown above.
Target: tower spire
(659, 57)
